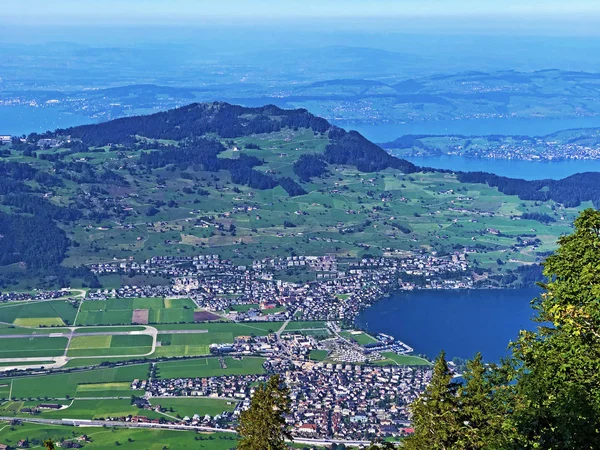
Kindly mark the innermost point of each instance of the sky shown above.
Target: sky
(189, 11)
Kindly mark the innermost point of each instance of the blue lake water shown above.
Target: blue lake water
(459, 322)
(387, 132)
(478, 127)
(18, 120)
(527, 170)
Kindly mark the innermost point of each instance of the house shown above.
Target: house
(309, 428)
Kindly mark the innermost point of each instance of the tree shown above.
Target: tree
(49, 444)
(484, 402)
(435, 413)
(381, 445)
(559, 372)
(263, 426)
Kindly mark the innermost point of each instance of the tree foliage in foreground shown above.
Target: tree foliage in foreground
(263, 426)
(547, 394)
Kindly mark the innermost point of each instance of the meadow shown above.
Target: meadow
(32, 347)
(110, 345)
(36, 314)
(209, 367)
(360, 338)
(120, 311)
(65, 385)
(392, 358)
(188, 406)
(128, 439)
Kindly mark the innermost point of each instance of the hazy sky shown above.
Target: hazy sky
(156, 11)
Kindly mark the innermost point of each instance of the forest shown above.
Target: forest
(570, 191)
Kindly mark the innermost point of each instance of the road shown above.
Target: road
(100, 423)
(60, 361)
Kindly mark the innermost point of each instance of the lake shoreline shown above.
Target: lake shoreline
(460, 321)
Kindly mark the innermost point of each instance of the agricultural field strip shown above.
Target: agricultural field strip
(55, 335)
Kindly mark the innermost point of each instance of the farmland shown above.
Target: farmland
(121, 311)
(107, 345)
(190, 406)
(209, 367)
(130, 439)
(35, 314)
(67, 384)
(32, 347)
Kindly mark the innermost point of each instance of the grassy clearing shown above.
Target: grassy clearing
(85, 362)
(119, 311)
(13, 330)
(108, 329)
(107, 345)
(94, 409)
(360, 337)
(63, 385)
(305, 325)
(234, 329)
(318, 355)
(103, 438)
(392, 358)
(189, 406)
(34, 314)
(32, 347)
(209, 367)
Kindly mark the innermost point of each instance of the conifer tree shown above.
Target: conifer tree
(484, 402)
(435, 413)
(263, 425)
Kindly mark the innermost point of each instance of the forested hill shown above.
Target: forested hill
(232, 121)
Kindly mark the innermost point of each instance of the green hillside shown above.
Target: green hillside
(245, 183)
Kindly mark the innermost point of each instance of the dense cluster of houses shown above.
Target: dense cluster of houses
(344, 401)
(217, 285)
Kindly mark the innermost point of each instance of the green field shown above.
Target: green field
(108, 329)
(229, 329)
(63, 385)
(305, 325)
(94, 409)
(244, 308)
(193, 344)
(17, 330)
(402, 360)
(32, 347)
(209, 367)
(28, 363)
(119, 311)
(107, 345)
(318, 355)
(130, 439)
(189, 406)
(41, 313)
(77, 409)
(84, 362)
(360, 338)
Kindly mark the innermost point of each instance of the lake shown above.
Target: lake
(527, 170)
(18, 120)
(386, 132)
(459, 322)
